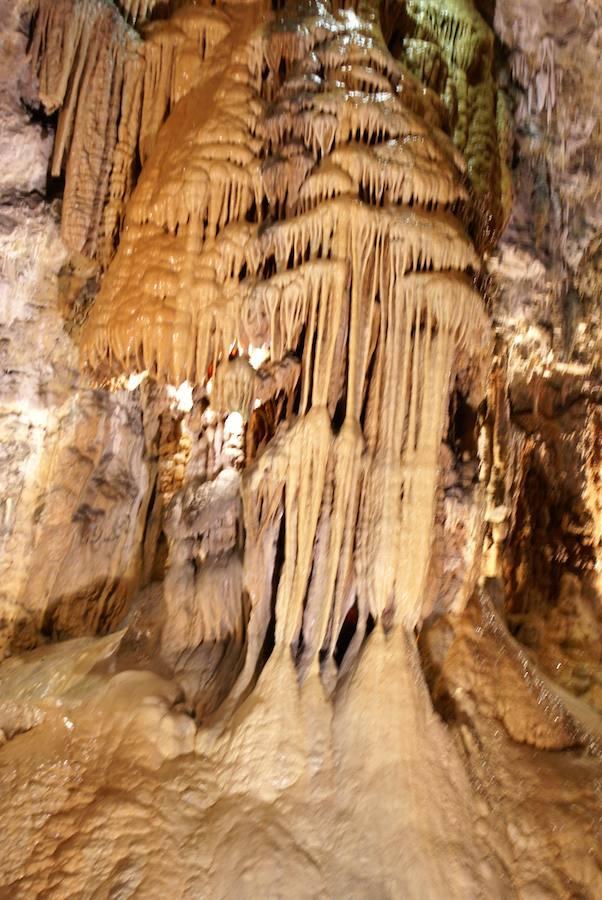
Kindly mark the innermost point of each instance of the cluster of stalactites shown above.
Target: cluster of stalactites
(451, 50)
(114, 89)
(537, 74)
(137, 11)
(356, 507)
(457, 27)
(212, 310)
(181, 289)
(89, 68)
(308, 203)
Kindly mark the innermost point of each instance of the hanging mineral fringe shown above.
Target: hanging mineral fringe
(307, 202)
(113, 88)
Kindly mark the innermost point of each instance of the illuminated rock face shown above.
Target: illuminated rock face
(291, 278)
(301, 198)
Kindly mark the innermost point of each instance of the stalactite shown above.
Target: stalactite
(114, 89)
(308, 202)
(453, 46)
(88, 71)
(137, 10)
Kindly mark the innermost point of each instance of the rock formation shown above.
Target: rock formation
(301, 495)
